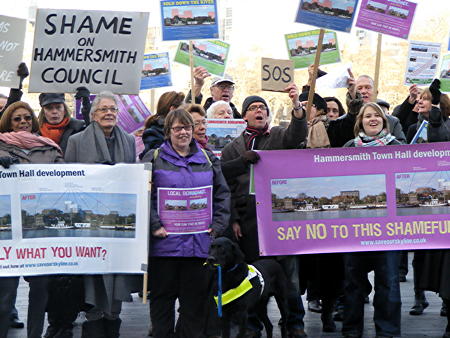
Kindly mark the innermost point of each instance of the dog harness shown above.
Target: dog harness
(243, 288)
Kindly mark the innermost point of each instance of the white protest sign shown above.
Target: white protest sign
(12, 36)
(335, 79)
(73, 218)
(276, 74)
(101, 50)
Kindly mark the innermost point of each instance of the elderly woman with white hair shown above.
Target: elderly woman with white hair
(103, 141)
(219, 110)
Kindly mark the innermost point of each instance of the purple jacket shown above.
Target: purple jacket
(170, 170)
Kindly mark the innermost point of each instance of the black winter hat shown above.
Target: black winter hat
(252, 99)
(47, 98)
(318, 101)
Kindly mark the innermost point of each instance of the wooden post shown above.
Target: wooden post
(148, 169)
(145, 288)
(191, 64)
(377, 69)
(152, 101)
(312, 87)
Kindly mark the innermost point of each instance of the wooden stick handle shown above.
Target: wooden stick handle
(377, 69)
(191, 64)
(312, 86)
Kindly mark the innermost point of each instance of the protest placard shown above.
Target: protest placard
(353, 199)
(276, 75)
(421, 66)
(12, 36)
(220, 132)
(73, 218)
(444, 74)
(156, 71)
(211, 54)
(302, 48)
(189, 20)
(329, 14)
(421, 135)
(100, 50)
(391, 17)
(185, 211)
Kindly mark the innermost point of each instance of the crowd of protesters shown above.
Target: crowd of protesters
(176, 143)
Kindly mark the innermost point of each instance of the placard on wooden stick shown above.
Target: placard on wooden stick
(276, 74)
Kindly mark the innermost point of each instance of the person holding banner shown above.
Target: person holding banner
(55, 121)
(222, 89)
(20, 143)
(103, 141)
(153, 135)
(359, 92)
(257, 136)
(178, 246)
(372, 129)
(434, 272)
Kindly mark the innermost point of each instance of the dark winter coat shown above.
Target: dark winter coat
(39, 155)
(438, 128)
(74, 126)
(153, 137)
(243, 205)
(171, 170)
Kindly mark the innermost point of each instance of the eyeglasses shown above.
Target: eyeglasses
(205, 123)
(180, 128)
(106, 109)
(225, 86)
(255, 108)
(27, 118)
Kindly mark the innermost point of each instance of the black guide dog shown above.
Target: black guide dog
(254, 299)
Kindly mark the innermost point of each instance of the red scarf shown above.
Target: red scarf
(252, 133)
(54, 131)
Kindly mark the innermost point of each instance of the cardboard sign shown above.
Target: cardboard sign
(276, 74)
(189, 20)
(101, 50)
(156, 71)
(423, 58)
(302, 48)
(12, 36)
(211, 54)
(337, 15)
(391, 17)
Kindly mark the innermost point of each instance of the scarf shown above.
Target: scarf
(252, 133)
(382, 139)
(54, 131)
(96, 148)
(26, 140)
(203, 143)
(317, 133)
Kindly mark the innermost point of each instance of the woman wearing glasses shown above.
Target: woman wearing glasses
(180, 167)
(103, 141)
(20, 143)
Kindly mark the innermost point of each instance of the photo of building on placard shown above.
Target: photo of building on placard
(211, 54)
(424, 193)
(444, 74)
(78, 214)
(302, 48)
(200, 203)
(176, 205)
(156, 71)
(339, 8)
(314, 198)
(190, 16)
(5, 217)
(398, 12)
(376, 7)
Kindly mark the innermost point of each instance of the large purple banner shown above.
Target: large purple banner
(353, 199)
(392, 17)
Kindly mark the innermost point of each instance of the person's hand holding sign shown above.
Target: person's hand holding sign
(351, 84)
(414, 92)
(292, 91)
(200, 74)
(161, 232)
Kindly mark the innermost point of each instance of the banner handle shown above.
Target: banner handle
(312, 86)
(191, 65)
(377, 69)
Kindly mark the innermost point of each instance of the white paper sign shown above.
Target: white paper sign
(101, 50)
(423, 58)
(12, 36)
(73, 218)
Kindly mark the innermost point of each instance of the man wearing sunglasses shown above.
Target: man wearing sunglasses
(222, 89)
(236, 159)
